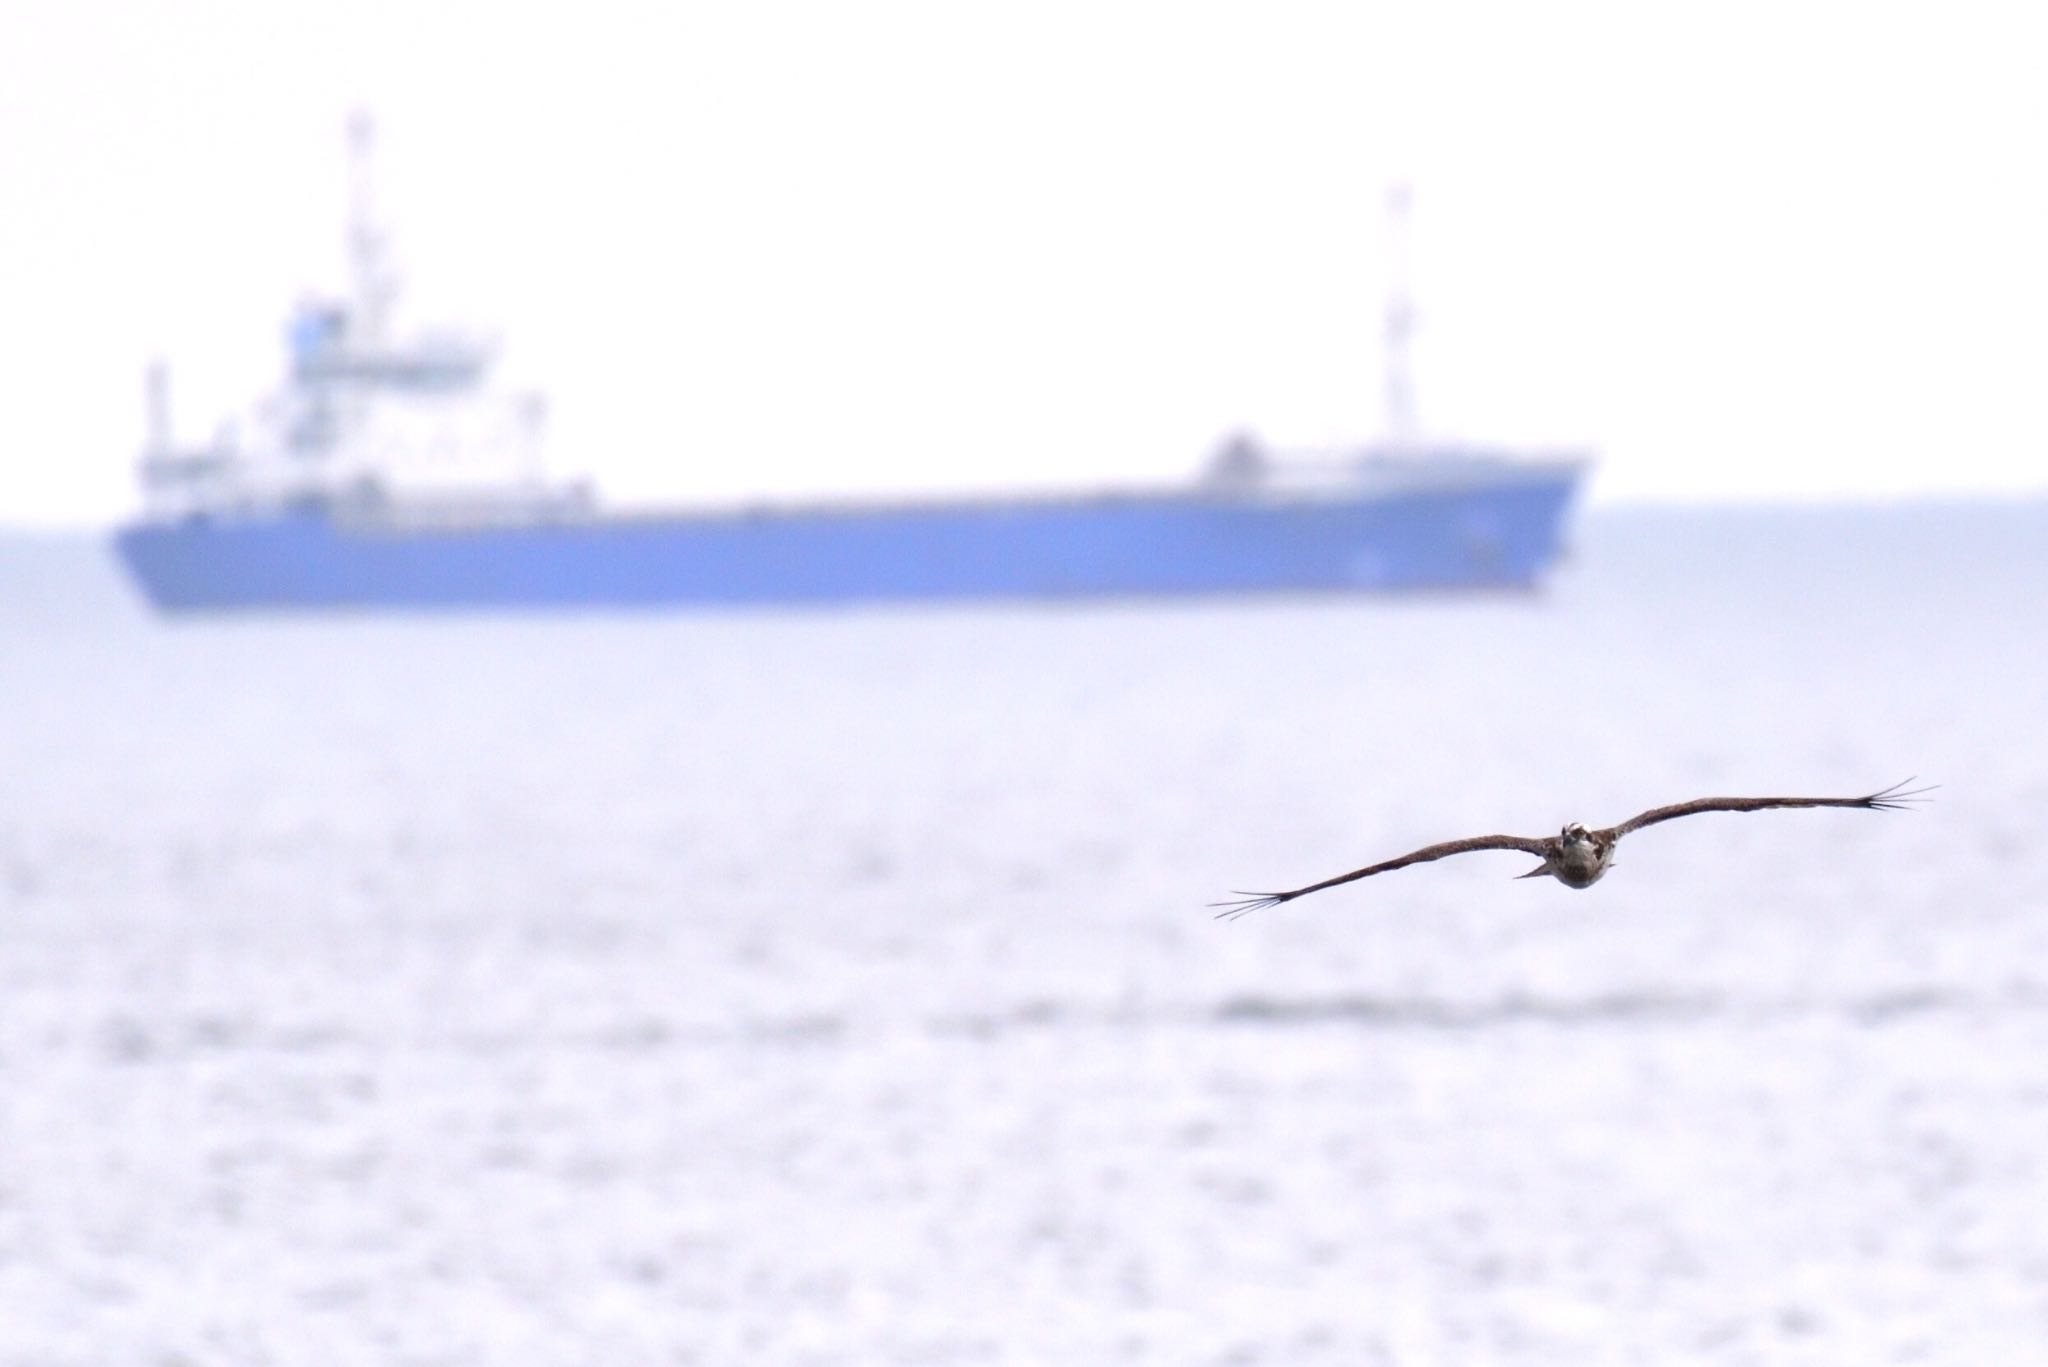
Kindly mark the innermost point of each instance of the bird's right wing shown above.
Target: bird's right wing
(1251, 901)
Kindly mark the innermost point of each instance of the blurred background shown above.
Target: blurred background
(823, 986)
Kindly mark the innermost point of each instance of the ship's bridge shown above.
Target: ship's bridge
(323, 351)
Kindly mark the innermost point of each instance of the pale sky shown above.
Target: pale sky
(762, 250)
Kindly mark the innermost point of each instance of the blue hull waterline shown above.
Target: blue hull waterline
(1500, 532)
(387, 473)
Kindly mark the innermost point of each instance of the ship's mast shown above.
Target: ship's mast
(375, 286)
(157, 410)
(1400, 324)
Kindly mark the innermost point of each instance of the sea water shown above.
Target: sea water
(837, 987)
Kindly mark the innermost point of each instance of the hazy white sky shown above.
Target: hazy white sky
(771, 248)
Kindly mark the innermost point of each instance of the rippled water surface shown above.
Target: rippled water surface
(821, 988)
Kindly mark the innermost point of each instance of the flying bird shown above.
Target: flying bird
(1576, 856)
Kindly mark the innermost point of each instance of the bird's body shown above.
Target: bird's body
(1582, 856)
(1577, 856)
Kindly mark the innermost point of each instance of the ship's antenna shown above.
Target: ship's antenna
(375, 285)
(1400, 323)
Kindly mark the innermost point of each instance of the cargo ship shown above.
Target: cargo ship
(387, 473)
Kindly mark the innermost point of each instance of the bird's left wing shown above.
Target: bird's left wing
(1892, 799)
(1253, 901)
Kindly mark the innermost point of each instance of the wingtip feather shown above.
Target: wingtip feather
(1248, 902)
(1899, 797)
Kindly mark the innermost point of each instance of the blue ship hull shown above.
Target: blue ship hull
(1499, 530)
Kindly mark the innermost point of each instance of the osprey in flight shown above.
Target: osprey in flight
(1575, 856)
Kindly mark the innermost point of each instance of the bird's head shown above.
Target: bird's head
(1574, 833)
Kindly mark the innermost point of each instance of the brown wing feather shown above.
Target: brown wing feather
(1253, 901)
(1892, 799)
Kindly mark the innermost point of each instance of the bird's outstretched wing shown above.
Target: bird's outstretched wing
(1253, 901)
(1895, 798)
